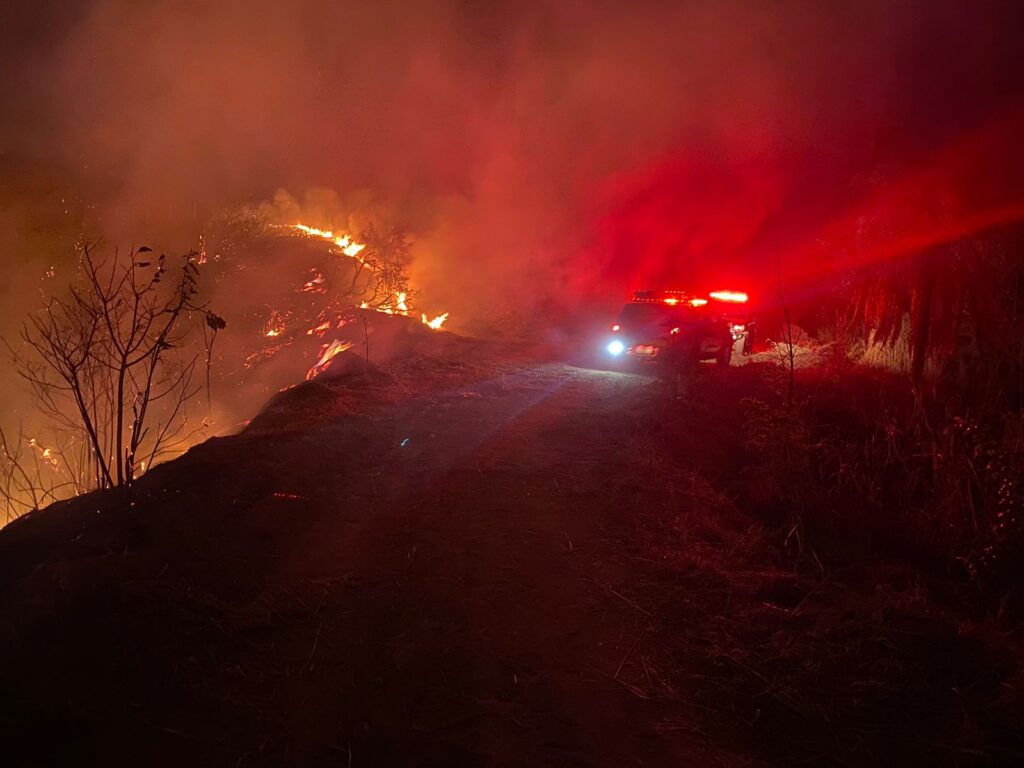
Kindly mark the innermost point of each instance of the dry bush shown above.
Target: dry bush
(780, 634)
(802, 666)
(889, 355)
(868, 470)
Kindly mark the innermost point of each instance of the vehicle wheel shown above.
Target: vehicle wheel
(724, 356)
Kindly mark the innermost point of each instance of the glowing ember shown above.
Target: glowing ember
(315, 284)
(48, 455)
(319, 330)
(329, 352)
(261, 355)
(275, 326)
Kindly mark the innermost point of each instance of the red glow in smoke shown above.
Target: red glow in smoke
(682, 221)
(970, 187)
(703, 222)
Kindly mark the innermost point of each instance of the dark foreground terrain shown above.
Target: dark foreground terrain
(475, 558)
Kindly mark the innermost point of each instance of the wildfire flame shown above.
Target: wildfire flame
(351, 248)
(400, 306)
(328, 353)
(277, 326)
(347, 245)
(436, 323)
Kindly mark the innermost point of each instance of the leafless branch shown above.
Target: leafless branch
(109, 366)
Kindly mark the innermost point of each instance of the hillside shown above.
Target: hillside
(478, 555)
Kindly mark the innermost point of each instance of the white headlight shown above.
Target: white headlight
(616, 347)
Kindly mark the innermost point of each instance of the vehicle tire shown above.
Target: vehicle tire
(724, 356)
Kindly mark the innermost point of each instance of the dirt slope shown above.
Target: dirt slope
(430, 581)
(448, 564)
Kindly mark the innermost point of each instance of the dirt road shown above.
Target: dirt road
(435, 580)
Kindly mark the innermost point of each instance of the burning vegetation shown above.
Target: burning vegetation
(113, 364)
(387, 270)
(376, 280)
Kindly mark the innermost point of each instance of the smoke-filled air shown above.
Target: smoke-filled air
(446, 318)
(540, 157)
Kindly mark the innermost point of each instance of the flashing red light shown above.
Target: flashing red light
(698, 302)
(734, 297)
(616, 327)
(671, 301)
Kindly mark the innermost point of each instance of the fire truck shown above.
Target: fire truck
(682, 327)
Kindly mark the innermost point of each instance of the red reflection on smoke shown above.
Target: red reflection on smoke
(685, 221)
(973, 185)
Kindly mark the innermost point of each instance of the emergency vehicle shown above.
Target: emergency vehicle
(682, 327)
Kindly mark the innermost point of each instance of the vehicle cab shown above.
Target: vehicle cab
(689, 325)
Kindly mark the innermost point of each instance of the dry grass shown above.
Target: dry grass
(782, 631)
(869, 466)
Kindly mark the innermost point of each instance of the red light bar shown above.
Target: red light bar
(734, 297)
(672, 298)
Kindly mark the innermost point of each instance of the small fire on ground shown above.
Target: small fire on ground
(330, 351)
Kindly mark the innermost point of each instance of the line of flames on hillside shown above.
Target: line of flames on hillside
(277, 325)
(399, 304)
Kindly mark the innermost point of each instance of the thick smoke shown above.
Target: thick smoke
(550, 154)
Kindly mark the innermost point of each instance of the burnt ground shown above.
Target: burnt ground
(478, 558)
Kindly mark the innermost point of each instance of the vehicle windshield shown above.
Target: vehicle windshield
(641, 314)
